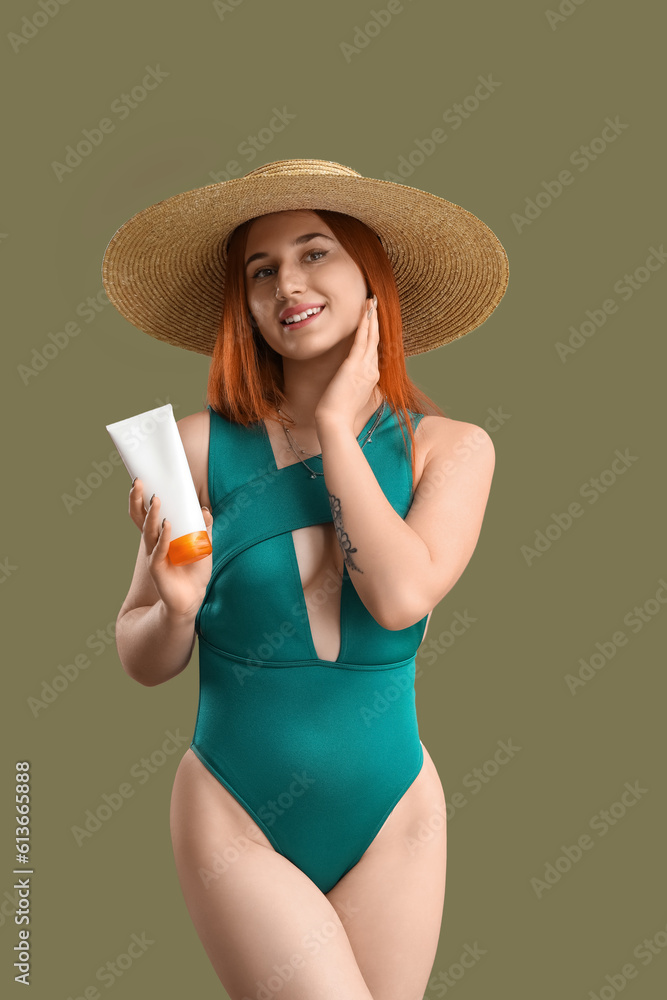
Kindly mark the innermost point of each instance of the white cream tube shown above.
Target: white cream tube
(151, 449)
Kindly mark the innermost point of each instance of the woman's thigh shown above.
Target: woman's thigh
(266, 928)
(392, 900)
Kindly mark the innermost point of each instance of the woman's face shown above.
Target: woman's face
(297, 269)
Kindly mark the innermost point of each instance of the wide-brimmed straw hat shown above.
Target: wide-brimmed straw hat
(164, 269)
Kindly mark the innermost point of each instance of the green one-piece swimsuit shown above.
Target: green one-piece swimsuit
(318, 752)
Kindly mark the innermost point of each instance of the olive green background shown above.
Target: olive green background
(66, 572)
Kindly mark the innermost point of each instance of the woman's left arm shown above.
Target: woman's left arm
(402, 568)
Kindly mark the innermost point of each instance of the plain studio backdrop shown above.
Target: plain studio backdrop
(538, 684)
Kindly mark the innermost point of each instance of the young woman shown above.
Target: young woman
(307, 818)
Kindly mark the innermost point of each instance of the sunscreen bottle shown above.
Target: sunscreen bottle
(151, 449)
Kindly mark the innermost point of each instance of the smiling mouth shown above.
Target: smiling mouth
(302, 322)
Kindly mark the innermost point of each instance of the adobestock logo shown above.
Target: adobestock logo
(378, 20)
(122, 106)
(221, 8)
(6, 569)
(454, 116)
(625, 288)
(254, 144)
(565, 9)
(113, 801)
(88, 309)
(31, 26)
(581, 158)
(635, 620)
(563, 519)
(572, 852)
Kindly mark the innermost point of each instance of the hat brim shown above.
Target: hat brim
(164, 269)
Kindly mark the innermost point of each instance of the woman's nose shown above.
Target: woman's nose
(288, 281)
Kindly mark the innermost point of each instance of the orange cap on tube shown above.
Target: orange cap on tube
(190, 548)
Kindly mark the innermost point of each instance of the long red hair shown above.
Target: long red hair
(245, 381)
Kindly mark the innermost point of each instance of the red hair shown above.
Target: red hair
(245, 381)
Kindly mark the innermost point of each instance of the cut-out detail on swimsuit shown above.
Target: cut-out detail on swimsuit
(317, 751)
(331, 579)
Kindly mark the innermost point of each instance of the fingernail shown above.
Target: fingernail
(163, 520)
(206, 508)
(151, 500)
(368, 314)
(134, 481)
(375, 301)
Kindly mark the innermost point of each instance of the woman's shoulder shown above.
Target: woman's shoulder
(438, 438)
(446, 431)
(195, 432)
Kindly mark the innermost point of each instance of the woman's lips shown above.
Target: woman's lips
(303, 322)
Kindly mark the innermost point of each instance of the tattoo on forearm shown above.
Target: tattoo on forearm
(343, 538)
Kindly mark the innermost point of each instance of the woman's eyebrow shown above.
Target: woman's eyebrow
(297, 242)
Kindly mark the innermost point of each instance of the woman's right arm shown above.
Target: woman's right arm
(155, 632)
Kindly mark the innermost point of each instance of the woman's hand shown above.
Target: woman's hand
(181, 588)
(352, 386)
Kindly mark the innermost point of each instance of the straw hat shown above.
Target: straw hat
(164, 269)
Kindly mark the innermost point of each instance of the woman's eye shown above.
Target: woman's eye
(319, 253)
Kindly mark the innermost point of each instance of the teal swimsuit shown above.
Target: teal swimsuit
(318, 752)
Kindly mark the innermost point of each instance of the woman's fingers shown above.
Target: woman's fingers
(145, 514)
(151, 529)
(371, 353)
(208, 519)
(136, 504)
(362, 338)
(148, 518)
(161, 548)
(372, 327)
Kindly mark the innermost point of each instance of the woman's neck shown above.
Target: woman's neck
(300, 407)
